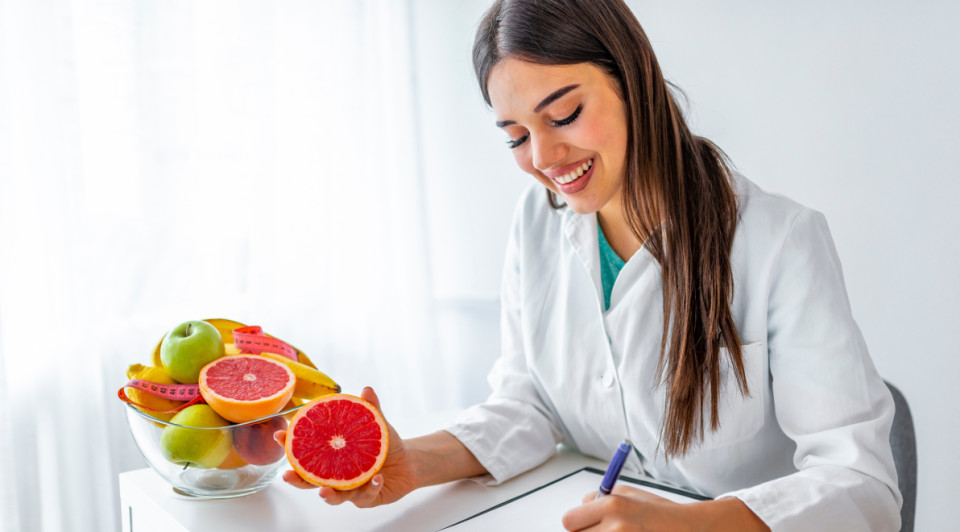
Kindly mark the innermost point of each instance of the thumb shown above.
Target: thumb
(370, 396)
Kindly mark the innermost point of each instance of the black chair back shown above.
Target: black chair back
(904, 444)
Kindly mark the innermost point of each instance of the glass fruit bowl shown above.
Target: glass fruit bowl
(212, 462)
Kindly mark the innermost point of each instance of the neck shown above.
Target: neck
(616, 229)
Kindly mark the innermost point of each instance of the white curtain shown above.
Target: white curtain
(170, 160)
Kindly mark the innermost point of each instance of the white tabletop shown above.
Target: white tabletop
(149, 503)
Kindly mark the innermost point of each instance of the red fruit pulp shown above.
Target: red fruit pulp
(246, 378)
(338, 441)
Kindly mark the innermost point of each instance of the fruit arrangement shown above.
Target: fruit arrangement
(210, 374)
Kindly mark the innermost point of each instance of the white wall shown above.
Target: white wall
(848, 107)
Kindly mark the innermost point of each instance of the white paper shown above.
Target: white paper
(542, 510)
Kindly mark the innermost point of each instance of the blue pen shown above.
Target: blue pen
(613, 471)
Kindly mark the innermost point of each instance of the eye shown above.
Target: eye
(514, 143)
(569, 119)
(556, 123)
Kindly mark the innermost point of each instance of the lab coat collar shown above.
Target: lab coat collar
(581, 232)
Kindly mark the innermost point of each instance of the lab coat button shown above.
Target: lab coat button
(606, 379)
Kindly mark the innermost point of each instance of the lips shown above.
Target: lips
(574, 179)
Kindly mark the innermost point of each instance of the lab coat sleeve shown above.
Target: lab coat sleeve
(828, 398)
(514, 430)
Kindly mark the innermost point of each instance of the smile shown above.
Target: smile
(574, 174)
(575, 180)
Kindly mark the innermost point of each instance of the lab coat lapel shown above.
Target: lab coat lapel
(581, 232)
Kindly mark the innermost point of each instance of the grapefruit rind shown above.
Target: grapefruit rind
(242, 411)
(345, 484)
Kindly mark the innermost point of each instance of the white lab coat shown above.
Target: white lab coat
(806, 450)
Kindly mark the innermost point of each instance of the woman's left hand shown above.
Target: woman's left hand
(634, 509)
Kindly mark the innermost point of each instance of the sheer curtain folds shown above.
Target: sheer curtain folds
(171, 160)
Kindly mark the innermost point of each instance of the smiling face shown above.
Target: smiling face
(567, 127)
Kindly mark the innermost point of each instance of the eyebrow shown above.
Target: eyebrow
(554, 96)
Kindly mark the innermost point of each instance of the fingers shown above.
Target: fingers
(281, 437)
(291, 477)
(625, 491)
(369, 494)
(583, 516)
(638, 494)
(364, 496)
(370, 396)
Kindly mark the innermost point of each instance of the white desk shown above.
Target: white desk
(148, 503)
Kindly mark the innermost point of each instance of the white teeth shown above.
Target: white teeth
(574, 175)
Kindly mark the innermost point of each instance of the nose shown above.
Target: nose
(546, 150)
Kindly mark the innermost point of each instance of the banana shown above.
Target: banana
(311, 383)
(293, 403)
(225, 327)
(158, 404)
(230, 349)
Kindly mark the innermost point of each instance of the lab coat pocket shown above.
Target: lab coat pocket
(741, 416)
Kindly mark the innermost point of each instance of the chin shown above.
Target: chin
(580, 207)
(580, 204)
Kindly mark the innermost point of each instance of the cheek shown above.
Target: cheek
(604, 135)
(594, 135)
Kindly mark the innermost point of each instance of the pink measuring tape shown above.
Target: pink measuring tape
(250, 340)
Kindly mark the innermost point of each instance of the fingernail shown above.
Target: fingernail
(376, 481)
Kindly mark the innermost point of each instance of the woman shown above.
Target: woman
(757, 391)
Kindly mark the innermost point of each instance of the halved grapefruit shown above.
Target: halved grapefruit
(243, 388)
(337, 440)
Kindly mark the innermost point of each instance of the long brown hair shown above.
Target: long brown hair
(678, 190)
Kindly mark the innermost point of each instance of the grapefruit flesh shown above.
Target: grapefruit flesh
(244, 388)
(337, 440)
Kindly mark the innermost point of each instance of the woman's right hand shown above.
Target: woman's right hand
(395, 479)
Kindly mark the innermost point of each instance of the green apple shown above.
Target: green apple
(202, 447)
(188, 348)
